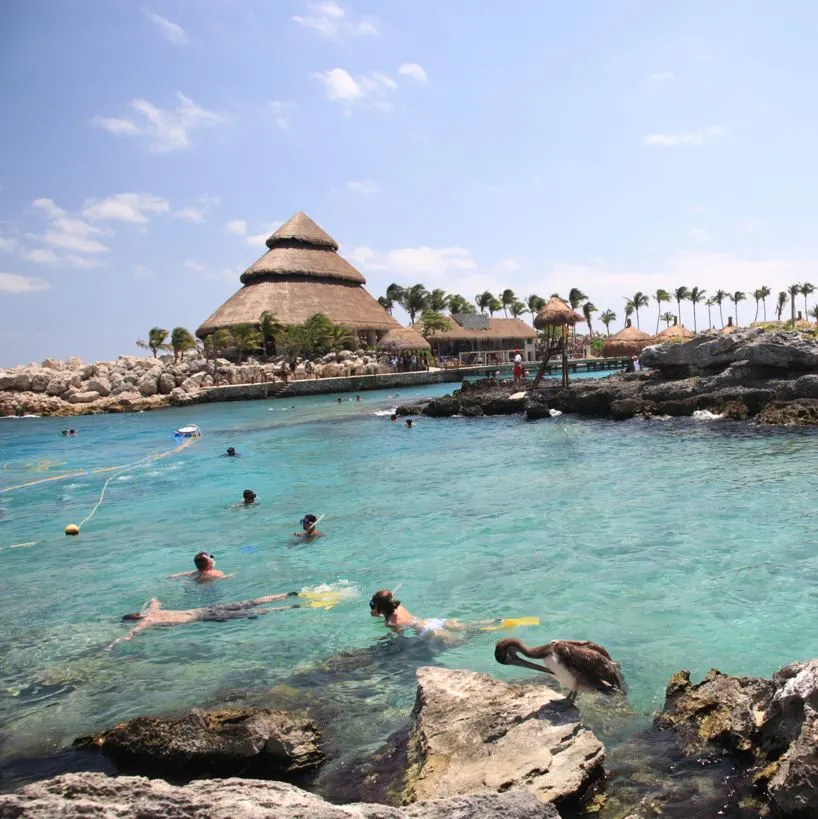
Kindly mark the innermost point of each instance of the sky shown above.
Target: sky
(613, 145)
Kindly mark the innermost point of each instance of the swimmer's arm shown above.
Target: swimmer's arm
(454, 625)
(130, 635)
(271, 597)
(180, 574)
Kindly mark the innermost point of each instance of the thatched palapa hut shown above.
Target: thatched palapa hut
(300, 275)
(556, 313)
(676, 332)
(628, 341)
(478, 339)
(403, 340)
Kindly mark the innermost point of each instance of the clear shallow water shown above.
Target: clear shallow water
(673, 543)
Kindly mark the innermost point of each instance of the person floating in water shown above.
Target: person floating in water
(154, 615)
(310, 532)
(340, 400)
(393, 417)
(249, 497)
(409, 423)
(205, 569)
(69, 433)
(357, 397)
(231, 452)
(396, 617)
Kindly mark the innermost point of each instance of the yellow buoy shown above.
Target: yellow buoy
(72, 529)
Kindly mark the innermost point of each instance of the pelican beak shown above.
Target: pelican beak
(512, 658)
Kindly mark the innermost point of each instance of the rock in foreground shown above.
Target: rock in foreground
(251, 741)
(474, 734)
(95, 795)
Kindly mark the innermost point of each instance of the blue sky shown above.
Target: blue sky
(612, 146)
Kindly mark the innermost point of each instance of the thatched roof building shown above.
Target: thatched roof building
(628, 341)
(676, 332)
(474, 336)
(556, 313)
(403, 340)
(300, 275)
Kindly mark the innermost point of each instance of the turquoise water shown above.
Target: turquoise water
(676, 544)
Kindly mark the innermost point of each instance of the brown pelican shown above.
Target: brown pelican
(579, 665)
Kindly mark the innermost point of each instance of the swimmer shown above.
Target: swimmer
(393, 417)
(154, 615)
(308, 524)
(409, 423)
(357, 397)
(340, 400)
(249, 497)
(231, 452)
(398, 618)
(205, 569)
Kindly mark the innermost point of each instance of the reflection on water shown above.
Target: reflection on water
(675, 544)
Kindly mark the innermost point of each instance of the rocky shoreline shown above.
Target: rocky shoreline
(769, 377)
(475, 747)
(134, 383)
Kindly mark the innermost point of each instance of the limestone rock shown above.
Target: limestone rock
(166, 383)
(83, 397)
(331, 370)
(22, 382)
(223, 742)
(74, 363)
(178, 395)
(194, 382)
(40, 381)
(101, 384)
(83, 795)
(472, 733)
(148, 385)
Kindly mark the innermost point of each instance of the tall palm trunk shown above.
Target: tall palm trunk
(721, 315)
(695, 329)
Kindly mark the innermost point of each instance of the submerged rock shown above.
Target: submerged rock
(255, 741)
(472, 733)
(73, 796)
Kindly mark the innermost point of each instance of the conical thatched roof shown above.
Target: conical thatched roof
(301, 275)
(676, 332)
(555, 313)
(401, 340)
(628, 341)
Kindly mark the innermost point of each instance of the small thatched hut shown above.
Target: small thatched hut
(301, 275)
(676, 332)
(478, 339)
(556, 313)
(628, 341)
(403, 340)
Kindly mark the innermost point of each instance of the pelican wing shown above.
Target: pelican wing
(591, 663)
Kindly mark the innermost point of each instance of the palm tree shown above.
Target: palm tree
(221, 339)
(535, 303)
(494, 305)
(414, 300)
(483, 300)
(696, 295)
(607, 318)
(587, 309)
(736, 298)
(710, 303)
(782, 300)
(667, 318)
(269, 326)
(181, 341)
(757, 296)
(341, 337)
(157, 338)
(680, 294)
(660, 296)
(507, 298)
(639, 299)
(394, 295)
(431, 322)
(628, 310)
(814, 312)
(459, 304)
(386, 304)
(720, 296)
(576, 297)
(765, 291)
(793, 290)
(517, 308)
(438, 300)
(806, 289)
(246, 338)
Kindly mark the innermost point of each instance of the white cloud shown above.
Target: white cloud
(506, 266)
(198, 211)
(12, 283)
(46, 256)
(369, 91)
(142, 272)
(365, 187)
(238, 227)
(282, 113)
(8, 244)
(416, 263)
(49, 206)
(74, 241)
(125, 207)
(167, 129)
(196, 267)
(675, 140)
(172, 32)
(330, 19)
(413, 70)
(259, 239)
(67, 232)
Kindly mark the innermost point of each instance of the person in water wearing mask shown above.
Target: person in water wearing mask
(248, 497)
(154, 615)
(309, 531)
(205, 569)
(231, 452)
(396, 617)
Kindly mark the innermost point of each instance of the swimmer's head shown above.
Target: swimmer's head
(204, 561)
(408, 422)
(382, 603)
(308, 522)
(249, 496)
(231, 451)
(393, 417)
(127, 618)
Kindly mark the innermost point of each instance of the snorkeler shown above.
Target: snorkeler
(205, 569)
(340, 400)
(409, 423)
(398, 618)
(154, 615)
(310, 532)
(393, 417)
(249, 497)
(231, 452)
